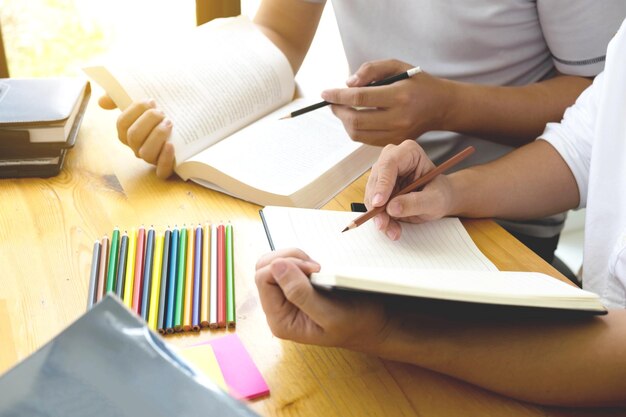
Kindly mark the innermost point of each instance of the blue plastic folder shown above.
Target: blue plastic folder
(108, 363)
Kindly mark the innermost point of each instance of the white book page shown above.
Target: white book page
(282, 156)
(210, 82)
(442, 244)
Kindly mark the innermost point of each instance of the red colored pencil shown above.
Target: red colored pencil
(102, 273)
(139, 255)
(221, 276)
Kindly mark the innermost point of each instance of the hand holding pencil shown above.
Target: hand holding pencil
(389, 195)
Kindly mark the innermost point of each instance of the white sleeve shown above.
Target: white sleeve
(573, 137)
(578, 32)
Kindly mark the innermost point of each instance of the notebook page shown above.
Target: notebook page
(282, 156)
(442, 244)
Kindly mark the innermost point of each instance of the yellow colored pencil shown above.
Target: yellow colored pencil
(188, 307)
(205, 287)
(130, 269)
(153, 312)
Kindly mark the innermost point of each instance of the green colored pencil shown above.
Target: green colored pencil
(180, 280)
(113, 255)
(230, 278)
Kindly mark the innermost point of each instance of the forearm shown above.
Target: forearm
(510, 115)
(574, 363)
(290, 25)
(531, 182)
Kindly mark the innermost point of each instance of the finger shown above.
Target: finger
(393, 230)
(106, 103)
(267, 258)
(381, 97)
(376, 70)
(151, 148)
(130, 115)
(425, 205)
(138, 132)
(166, 162)
(299, 291)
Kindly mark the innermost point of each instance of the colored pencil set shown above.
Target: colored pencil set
(178, 280)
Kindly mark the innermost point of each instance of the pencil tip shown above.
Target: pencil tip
(285, 117)
(347, 228)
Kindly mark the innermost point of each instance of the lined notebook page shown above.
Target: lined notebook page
(442, 244)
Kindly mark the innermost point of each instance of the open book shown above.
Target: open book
(225, 86)
(435, 260)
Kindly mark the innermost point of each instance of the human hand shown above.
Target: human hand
(396, 167)
(298, 312)
(145, 129)
(395, 112)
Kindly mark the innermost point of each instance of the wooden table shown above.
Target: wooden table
(47, 230)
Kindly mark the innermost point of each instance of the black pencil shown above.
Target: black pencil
(163, 293)
(385, 81)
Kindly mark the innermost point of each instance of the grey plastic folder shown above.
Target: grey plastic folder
(108, 363)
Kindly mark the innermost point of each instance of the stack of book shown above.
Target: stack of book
(39, 122)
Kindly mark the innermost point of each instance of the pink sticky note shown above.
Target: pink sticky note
(240, 373)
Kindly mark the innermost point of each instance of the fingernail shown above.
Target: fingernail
(279, 269)
(167, 123)
(377, 200)
(391, 234)
(325, 94)
(394, 208)
(352, 79)
(377, 222)
(152, 102)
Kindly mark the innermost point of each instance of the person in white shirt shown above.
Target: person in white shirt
(580, 162)
(496, 71)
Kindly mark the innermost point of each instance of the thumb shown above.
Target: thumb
(106, 103)
(376, 70)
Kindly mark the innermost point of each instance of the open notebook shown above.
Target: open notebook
(435, 260)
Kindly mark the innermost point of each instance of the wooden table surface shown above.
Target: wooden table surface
(47, 230)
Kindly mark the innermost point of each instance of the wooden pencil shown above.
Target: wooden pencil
(102, 273)
(130, 269)
(146, 282)
(121, 267)
(188, 306)
(180, 281)
(213, 280)
(93, 275)
(113, 255)
(197, 272)
(205, 307)
(139, 257)
(155, 290)
(221, 277)
(171, 284)
(230, 278)
(164, 276)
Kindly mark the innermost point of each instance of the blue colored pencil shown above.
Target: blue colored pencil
(147, 275)
(171, 284)
(164, 271)
(197, 272)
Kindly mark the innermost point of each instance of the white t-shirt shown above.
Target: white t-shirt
(592, 140)
(493, 42)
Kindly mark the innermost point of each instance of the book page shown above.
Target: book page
(210, 83)
(442, 244)
(281, 156)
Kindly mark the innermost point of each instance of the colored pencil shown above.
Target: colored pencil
(130, 269)
(113, 255)
(139, 260)
(102, 273)
(93, 275)
(155, 290)
(213, 279)
(221, 277)
(163, 292)
(197, 272)
(180, 281)
(206, 290)
(188, 303)
(230, 278)
(121, 266)
(147, 276)
(171, 284)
